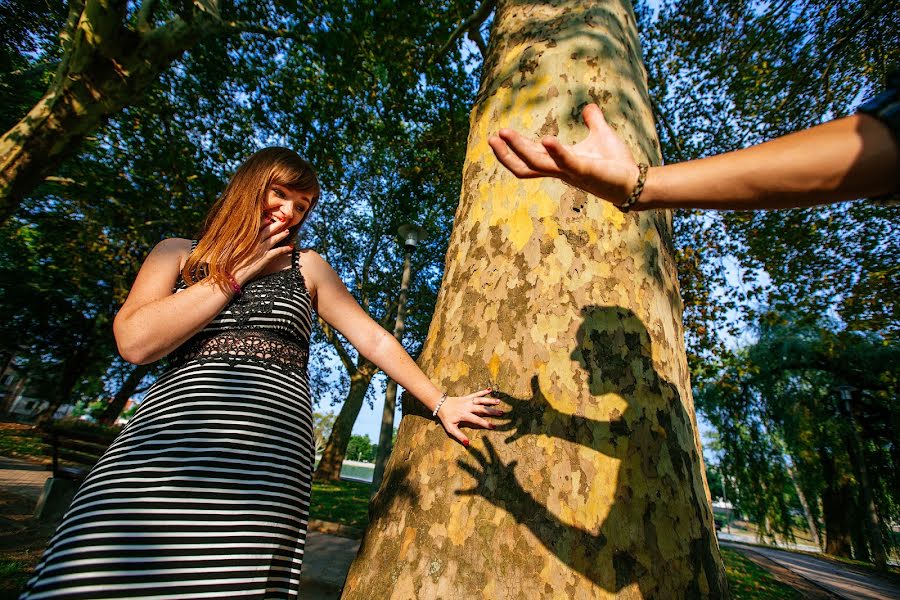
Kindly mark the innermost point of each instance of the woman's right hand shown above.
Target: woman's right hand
(272, 232)
(467, 410)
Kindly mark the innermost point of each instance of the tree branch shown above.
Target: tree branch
(145, 16)
(474, 34)
(668, 126)
(331, 336)
(474, 21)
(76, 7)
(238, 27)
(367, 265)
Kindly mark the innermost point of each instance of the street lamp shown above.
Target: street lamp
(410, 236)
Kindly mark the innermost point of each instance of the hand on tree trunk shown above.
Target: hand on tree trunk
(467, 410)
(600, 164)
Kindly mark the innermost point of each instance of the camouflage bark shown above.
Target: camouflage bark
(593, 485)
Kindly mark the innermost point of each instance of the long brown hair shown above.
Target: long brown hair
(232, 224)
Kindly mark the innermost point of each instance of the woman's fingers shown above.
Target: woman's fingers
(563, 157)
(474, 419)
(488, 411)
(273, 228)
(593, 117)
(278, 237)
(454, 432)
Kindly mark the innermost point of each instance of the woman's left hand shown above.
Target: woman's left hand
(467, 410)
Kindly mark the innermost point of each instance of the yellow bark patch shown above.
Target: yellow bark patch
(409, 536)
(520, 226)
(462, 521)
(494, 366)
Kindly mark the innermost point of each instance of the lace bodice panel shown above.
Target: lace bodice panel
(269, 324)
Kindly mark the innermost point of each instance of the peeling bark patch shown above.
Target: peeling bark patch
(599, 97)
(550, 126)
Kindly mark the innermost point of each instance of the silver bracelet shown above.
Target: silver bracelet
(440, 402)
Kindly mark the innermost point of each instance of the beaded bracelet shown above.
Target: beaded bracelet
(638, 188)
(235, 286)
(438, 407)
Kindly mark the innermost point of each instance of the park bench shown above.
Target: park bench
(74, 453)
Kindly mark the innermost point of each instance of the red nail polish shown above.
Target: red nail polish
(490, 425)
(501, 413)
(466, 443)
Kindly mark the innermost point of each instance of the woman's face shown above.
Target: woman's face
(286, 206)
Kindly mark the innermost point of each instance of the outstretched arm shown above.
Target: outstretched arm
(340, 310)
(848, 158)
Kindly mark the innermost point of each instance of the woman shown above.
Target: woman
(205, 493)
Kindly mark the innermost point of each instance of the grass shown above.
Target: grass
(14, 574)
(748, 581)
(344, 502)
(20, 441)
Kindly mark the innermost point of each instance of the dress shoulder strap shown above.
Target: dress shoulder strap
(295, 267)
(180, 283)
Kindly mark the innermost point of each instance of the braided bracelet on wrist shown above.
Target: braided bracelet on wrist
(638, 188)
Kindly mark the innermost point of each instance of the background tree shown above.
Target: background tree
(785, 433)
(322, 423)
(724, 75)
(361, 448)
(110, 53)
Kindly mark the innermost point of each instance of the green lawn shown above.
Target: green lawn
(748, 581)
(21, 441)
(344, 502)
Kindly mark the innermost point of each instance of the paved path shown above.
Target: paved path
(842, 581)
(22, 477)
(749, 538)
(326, 561)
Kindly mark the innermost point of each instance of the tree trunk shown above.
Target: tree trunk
(72, 370)
(810, 521)
(329, 468)
(867, 508)
(117, 402)
(105, 66)
(837, 508)
(592, 486)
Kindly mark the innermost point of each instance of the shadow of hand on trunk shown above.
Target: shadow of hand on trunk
(658, 516)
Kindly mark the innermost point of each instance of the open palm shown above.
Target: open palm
(600, 164)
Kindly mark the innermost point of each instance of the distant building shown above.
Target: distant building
(21, 403)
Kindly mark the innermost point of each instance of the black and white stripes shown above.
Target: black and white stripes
(205, 493)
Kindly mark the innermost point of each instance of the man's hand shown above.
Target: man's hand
(600, 164)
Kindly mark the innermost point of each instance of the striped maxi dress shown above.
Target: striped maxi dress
(205, 493)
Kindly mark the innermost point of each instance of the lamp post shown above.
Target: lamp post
(410, 235)
(871, 518)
